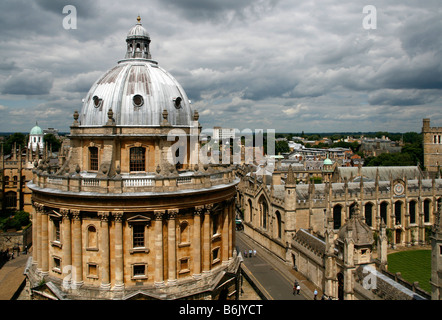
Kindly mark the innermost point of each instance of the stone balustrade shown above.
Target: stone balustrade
(149, 182)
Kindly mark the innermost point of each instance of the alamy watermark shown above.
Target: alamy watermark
(370, 20)
(70, 20)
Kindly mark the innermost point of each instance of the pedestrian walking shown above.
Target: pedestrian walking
(245, 253)
(315, 294)
(298, 289)
(250, 253)
(254, 252)
(295, 286)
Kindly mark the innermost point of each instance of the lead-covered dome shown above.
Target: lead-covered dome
(137, 90)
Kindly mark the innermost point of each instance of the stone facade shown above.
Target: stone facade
(303, 223)
(119, 219)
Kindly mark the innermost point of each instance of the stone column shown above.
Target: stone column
(197, 241)
(39, 208)
(207, 239)
(231, 227)
(159, 255)
(77, 255)
(35, 233)
(44, 243)
(172, 246)
(105, 252)
(67, 248)
(119, 263)
(225, 233)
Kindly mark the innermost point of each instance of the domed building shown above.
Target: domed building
(131, 212)
(36, 141)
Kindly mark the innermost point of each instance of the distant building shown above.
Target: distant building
(432, 143)
(375, 147)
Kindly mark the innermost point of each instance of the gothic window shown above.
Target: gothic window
(278, 224)
(369, 214)
(93, 158)
(138, 159)
(412, 211)
(384, 206)
(398, 212)
(427, 210)
(337, 216)
(250, 210)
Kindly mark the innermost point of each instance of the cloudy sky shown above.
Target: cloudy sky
(286, 65)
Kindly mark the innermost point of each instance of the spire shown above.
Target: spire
(290, 177)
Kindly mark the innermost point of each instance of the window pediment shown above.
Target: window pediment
(139, 219)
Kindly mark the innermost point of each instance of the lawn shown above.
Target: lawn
(414, 265)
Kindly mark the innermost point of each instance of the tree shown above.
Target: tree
(18, 138)
(52, 142)
(281, 147)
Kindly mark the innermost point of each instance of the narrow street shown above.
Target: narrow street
(270, 275)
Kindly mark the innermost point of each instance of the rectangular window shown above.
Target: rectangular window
(138, 159)
(138, 235)
(57, 230)
(139, 270)
(92, 270)
(93, 158)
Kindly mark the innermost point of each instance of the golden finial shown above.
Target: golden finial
(139, 19)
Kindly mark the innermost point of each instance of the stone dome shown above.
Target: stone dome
(36, 130)
(137, 90)
(328, 162)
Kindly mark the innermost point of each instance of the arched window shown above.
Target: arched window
(398, 212)
(278, 224)
(369, 214)
(427, 210)
(91, 237)
(384, 207)
(93, 158)
(264, 211)
(250, 210)
(138, 159)
(412, 211)
(337, 209)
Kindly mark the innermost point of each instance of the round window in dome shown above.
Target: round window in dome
(138, 100)
(178, 103)
(97, 102)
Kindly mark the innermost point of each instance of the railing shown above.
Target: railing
(131, 183)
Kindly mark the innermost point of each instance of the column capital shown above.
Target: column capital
(118, 215)
(76, 214)
(39, 207)
(104, 215)
(198, 210)
(159, 214)
(172, 213)
(65, 213)
(208, 208)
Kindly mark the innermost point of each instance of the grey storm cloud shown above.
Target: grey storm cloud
(28, 82)
(291, 65)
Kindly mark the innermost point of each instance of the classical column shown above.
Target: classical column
(226, 232)
(159, 256)
(207, 239)
(105, 252)
(34, 233)
(77, 254)
(44, 243)
(172, 246)
(231, 227)
(39, 208)
(119, 263)
(67, 248)
(197, 241)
